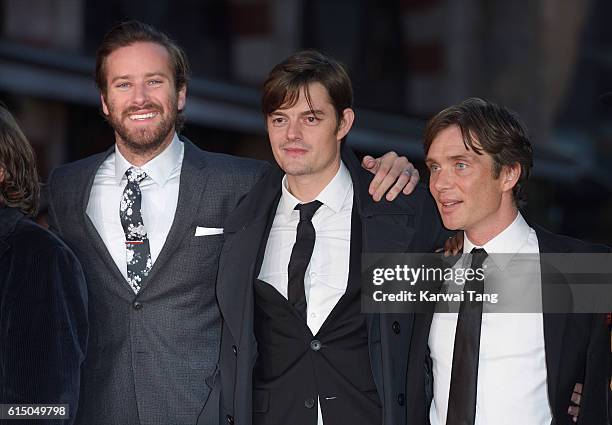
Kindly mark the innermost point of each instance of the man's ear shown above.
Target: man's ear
(510, 175)
(104, 107)
(345, 124)
(182, 95)
(1, 175)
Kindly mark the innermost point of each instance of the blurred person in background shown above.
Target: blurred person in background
(43, 295)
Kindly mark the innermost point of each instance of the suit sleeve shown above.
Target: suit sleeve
(594, 402)
(47, 334)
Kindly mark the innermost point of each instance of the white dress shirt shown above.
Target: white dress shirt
(159, 189)
(326, 277)
(511, 387)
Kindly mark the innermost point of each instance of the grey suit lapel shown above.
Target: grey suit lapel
(194, 177)
(84, 183)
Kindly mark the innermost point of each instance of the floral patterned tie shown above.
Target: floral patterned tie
(138, 253)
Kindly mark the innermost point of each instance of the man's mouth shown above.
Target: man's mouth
(142, 117)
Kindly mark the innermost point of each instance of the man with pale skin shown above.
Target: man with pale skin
(480, 158)
(296, 348)
(146, 218)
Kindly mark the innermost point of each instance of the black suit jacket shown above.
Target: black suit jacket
(43, 316)
(408, 224)
(577, 350)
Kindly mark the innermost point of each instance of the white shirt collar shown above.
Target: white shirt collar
(333, 195)
(509, 241)
(159, 169)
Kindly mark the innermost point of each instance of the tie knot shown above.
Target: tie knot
(135, 175)
(478, 257)
(307, 211)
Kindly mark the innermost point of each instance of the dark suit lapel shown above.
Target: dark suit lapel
(554, 323)
(244, 230)
(383, 223)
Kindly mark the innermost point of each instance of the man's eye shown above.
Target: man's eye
(278, 121)
(123, 85)
(461, 166)
(154, 82)
(311, 119)
(434, 167)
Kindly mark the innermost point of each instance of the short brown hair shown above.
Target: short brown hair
(127, 33)
(20, 187)
(497, 130)
(297, 72)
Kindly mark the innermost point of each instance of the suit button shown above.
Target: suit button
(309, 403)
(315, 345)
(401, 399)
(230, 419)
(396, 327)
(137, 305)
(235, 350)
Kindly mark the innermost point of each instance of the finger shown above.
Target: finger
(576, 398)
(578, 388)
(402, 181)
(369, 163)
(448, 247)
(385, 184)
(381, 173)
(414, 180)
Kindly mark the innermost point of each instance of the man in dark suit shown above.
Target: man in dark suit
(499, 368)
(146, 220)
(295, 347)
(43, 298)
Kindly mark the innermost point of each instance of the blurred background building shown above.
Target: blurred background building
(546, 59)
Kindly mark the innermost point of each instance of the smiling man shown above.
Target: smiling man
(296, 348)
(146, 220)
(494, 368)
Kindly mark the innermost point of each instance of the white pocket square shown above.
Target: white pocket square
(207, 231)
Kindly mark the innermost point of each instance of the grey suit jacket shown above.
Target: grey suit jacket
(149, 354)
(408, 224)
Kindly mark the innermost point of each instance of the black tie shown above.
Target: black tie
(300, 256)
(464, 374)
(136, 241)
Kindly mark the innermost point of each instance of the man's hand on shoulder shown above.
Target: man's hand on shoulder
(393, 175)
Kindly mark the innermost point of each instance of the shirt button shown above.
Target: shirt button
(315, 345)
(401, 399)
(313, 275)
(309, 403)
(136, 305)
(396, 327)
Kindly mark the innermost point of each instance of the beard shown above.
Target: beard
(143, 140)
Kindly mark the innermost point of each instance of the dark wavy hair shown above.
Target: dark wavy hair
(19, 186)
(129, 32)
(499, 132)
(286, 80)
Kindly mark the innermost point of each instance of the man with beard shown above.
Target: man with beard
(146, 220)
